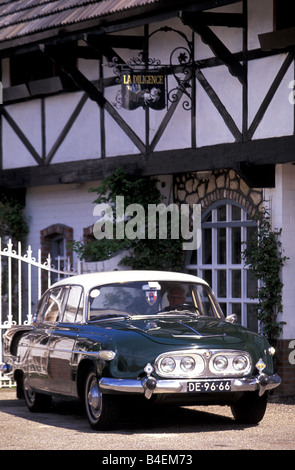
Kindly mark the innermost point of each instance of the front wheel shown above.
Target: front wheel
(250, 409)
(101, 410)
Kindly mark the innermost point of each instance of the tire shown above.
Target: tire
(102, 410)
(250, 409)
(37, 401)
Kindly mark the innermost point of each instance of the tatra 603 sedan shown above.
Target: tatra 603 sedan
(157, 335)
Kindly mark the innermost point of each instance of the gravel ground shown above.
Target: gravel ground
(185, 429)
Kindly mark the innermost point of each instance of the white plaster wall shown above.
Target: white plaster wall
(83, 139)
(71, 205)
(278, 118)
(282, 202)
(260, 20)
(28, 119)
(210, 126)
(232, 37)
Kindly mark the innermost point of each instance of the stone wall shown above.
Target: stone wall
(206, 188)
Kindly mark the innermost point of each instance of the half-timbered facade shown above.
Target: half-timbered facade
(199, 93)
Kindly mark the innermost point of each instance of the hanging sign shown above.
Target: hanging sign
(143, 89)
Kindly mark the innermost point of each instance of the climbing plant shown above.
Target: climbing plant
(12, 221)
(14, 227)
(143, 252)
(264, 256)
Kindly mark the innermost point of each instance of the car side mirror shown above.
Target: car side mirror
(231, 318)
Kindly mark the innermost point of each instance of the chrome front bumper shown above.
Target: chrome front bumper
(149, 385)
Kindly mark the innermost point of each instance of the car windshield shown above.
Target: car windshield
(152, 298)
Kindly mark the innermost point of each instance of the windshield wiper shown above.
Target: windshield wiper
(182, 312)
(109, 316)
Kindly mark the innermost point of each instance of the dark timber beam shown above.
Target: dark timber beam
(118, 41)
(244, 157)
(231, 20)
(216, 45)
(280, 40)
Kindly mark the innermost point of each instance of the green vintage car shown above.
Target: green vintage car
(160, 336)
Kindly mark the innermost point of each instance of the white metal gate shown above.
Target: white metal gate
(22, 279)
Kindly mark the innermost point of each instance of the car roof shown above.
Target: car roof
(90, 280)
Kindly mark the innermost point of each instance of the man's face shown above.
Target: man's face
(176, 297)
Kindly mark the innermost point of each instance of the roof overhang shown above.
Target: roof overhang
(52, 21)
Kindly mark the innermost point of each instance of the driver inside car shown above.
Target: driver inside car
(176, 296)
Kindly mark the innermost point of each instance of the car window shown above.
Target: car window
(51, 306)
(149, 298)
(74, 306)
(206, 305)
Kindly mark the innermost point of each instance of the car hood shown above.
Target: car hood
(138, 341)
(185, 330)
(190, 330)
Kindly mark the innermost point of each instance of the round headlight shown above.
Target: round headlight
(220, 363)
(168, 365)
(187, 364)
(240, 363)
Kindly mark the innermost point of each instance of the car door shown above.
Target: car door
(62, 342)
(47, 314)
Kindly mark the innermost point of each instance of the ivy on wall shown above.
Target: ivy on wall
(12, 221)
(143, 253)
(13, 226)
(263, 255)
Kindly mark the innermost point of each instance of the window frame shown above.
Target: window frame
(228, 267)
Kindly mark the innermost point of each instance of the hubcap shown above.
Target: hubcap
(94, 399)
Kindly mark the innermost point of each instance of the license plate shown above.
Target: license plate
(210, 386)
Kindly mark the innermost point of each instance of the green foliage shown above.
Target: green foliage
(12, 222)
(263, 254)
(145, 253)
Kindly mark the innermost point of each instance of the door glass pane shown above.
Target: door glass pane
(208, 217)
(207, 276)
(237, 309)
(236, 213)
(194, 257)
(207, 245)
(223, 307)
(252, 286)
(221, 283)
(236, 245)
(236, 283)
(250, 232)
(221, 245)
(252, 322)
(221, 213)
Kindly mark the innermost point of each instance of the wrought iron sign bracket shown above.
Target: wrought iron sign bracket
(145, 81)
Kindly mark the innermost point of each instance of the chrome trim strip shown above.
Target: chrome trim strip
(180, 386)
